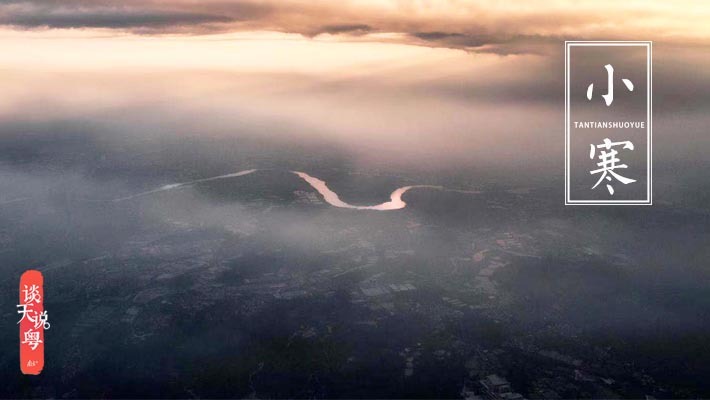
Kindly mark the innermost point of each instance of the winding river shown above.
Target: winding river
(330, 197)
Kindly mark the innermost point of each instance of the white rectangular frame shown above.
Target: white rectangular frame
(649, 125)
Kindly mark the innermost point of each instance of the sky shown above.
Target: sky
(391, 81)
(478, 25)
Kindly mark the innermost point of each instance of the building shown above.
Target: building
(497, 388)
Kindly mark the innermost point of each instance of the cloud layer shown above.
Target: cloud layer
(472, 25)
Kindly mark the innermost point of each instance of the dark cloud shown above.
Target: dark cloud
(436, 35)
(470, 41)
(356, 29)
(503, 44)
(151, 16)
(112, 20)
